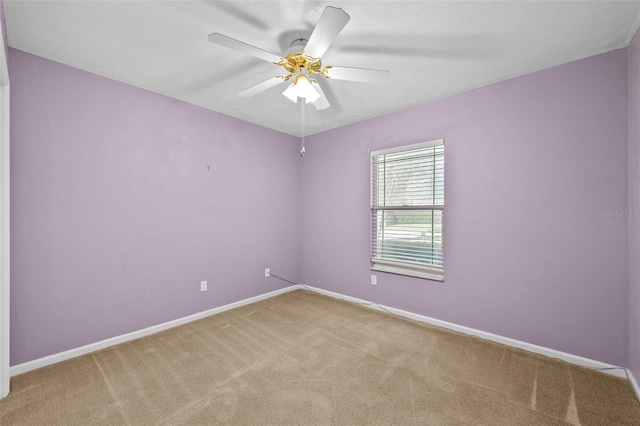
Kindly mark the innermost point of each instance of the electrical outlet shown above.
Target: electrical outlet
(374, 280)
(267, 272)
(203, 286)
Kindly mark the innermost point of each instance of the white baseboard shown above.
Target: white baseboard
(611, 369)
(72, 353)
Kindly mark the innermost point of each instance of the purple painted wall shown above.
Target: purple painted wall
(115, 217)
(634, 205)
(531, 166)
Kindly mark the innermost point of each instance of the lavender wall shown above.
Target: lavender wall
(531, 166)
(115, 217)
(634, 205)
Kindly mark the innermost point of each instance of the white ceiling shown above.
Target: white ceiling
(433, 49)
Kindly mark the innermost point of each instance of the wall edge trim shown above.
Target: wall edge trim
(603, 367)
(102, 344)
(606, 368)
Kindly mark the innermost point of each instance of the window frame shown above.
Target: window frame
(432, 273)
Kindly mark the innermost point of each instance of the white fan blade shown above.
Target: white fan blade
(261, 87)
(240, 46)
(329, 26)
(322, 102)
(363, 75)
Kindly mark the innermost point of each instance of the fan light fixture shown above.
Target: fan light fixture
(302, 87)
(302, 61)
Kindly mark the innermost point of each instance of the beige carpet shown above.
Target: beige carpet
(305, 359)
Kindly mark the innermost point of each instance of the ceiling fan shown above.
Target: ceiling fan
(302, 62)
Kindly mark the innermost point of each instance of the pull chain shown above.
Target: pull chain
(302, 102)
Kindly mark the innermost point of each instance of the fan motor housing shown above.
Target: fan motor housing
(293, 62)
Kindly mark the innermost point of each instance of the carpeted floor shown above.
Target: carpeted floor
(304, 359)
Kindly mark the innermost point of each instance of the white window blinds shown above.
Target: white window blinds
(407, 206)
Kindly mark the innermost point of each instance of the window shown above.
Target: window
(407, 208)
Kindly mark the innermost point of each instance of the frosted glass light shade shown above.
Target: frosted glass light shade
(301, 89)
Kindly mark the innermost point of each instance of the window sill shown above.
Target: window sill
(432, 276)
